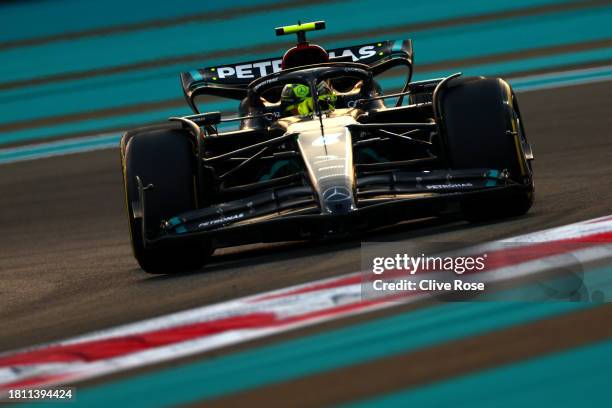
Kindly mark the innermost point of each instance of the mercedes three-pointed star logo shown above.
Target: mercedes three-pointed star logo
(336, 194)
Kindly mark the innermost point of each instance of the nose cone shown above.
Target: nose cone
(328, 156)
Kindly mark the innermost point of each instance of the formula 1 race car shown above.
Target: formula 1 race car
(319, 153)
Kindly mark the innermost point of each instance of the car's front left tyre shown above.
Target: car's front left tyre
(482, 129)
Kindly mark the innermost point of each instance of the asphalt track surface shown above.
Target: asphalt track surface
(67, 267)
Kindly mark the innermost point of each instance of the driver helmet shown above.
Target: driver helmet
(296, 99)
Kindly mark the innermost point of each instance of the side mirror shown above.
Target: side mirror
(208, 118)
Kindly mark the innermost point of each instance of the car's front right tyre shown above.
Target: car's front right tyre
(163, 157)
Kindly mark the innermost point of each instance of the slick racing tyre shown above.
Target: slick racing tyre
(482, 129)
(161, 156)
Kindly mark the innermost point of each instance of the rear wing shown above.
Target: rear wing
(231, 81)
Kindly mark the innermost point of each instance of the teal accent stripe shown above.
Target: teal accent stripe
(575, 378)
(274, 169)
(195, 74)
(317, 353)
(493, 180)
(397, 45)
(174, 221)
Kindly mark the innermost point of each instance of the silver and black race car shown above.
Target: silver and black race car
(320, 151)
